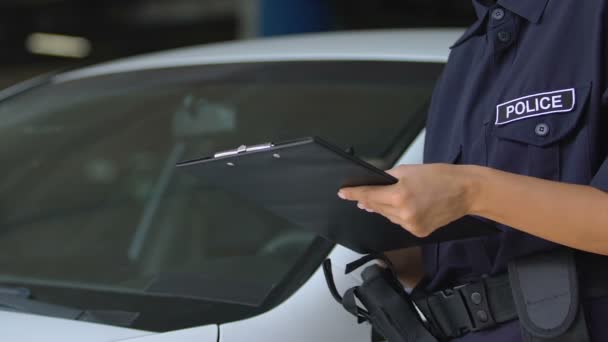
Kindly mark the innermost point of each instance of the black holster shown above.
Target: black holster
(386, 304)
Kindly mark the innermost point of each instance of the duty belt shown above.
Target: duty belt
(476, 306)
(452, 312)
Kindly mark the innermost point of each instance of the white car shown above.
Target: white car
(102, 239)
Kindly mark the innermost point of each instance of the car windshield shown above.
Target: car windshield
(93, 214)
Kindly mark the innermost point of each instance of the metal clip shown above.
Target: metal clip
(259, 147)
(243, 148)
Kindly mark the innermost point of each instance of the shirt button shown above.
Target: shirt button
(498, 14)
(542, 129)
(504, 36)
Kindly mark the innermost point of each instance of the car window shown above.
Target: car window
(93, 214)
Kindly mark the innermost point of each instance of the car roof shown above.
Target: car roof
(414, 45)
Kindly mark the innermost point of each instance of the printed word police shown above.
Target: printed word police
(559, 101)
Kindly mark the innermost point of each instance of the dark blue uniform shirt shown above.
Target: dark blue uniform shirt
(524, 91)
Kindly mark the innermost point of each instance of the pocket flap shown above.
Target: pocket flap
(541, 119)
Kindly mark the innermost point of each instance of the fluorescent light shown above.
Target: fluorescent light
(58, 45)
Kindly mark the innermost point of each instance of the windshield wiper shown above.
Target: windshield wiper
(18, 299)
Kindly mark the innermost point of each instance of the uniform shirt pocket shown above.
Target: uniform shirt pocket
(527, 133)
(542, 119)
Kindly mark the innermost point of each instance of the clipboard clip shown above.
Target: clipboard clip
(244, 148)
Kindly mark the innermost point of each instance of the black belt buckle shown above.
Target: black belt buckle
(450, 312)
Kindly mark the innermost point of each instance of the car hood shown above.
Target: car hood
(33, 328)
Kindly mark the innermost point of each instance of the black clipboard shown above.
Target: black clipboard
(299, 181)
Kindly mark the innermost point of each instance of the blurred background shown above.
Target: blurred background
(39, 36)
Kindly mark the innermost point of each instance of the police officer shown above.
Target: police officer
(516, 134)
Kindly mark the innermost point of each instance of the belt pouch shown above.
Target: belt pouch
(546, 294)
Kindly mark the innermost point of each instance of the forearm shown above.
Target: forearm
(571, 215)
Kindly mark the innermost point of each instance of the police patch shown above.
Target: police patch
(559, 101)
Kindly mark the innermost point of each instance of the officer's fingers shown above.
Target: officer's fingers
(382, 212)
(363, 207)
(406, 216)
(388, 200)
(354, 193)
(397, 196)
(364, 194)
(387, 211)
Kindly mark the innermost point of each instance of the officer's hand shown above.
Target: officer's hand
(426, 197)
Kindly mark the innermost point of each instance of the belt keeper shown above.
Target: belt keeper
(476, 298)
